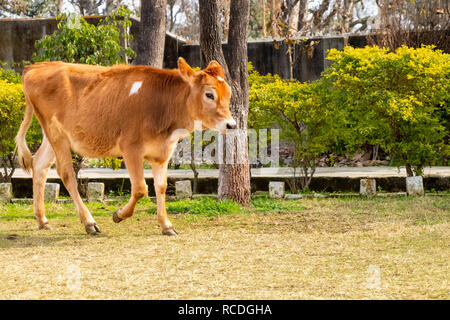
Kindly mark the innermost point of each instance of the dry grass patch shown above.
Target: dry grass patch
(316, 248)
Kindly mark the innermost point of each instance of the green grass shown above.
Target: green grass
(210, 207)
(316, 248)
(201, 206)
(265, 204)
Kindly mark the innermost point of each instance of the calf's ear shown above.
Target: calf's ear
(215, 69)
(186, 72)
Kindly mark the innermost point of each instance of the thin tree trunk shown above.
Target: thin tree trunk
(152, 33)
(375, 149)
(11, 165)
(226, 19)
(290, 53)
(264, 30)
(6, 162)
(409, 171)
(195, 184)
(273, 17)
(194, 170)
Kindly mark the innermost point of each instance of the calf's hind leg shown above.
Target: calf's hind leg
(64, 167)
(42, 161)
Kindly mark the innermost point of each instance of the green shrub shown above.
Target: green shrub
(302, 112)
(257, 82)
(12, 106)
(80, 42)
(9, 75)
(398, 100)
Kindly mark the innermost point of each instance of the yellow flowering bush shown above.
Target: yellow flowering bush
(303, 114)
(398, 100)
(12, 106)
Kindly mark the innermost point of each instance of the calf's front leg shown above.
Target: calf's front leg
(160, 181)
(134, 162)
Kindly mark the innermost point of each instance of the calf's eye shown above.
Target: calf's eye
(209, 95)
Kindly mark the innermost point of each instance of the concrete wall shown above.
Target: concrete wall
(17, 38)
(266, 59)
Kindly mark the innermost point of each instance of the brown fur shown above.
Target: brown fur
(91, 110)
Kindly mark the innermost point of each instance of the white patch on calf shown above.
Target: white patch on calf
(135, 87)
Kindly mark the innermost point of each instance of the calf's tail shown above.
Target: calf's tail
(23, 152)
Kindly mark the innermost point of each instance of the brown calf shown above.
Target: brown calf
(137, 112)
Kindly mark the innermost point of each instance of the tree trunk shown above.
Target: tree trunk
(302, 16)
(7, 162)
(289, 12)
(171, 4)
(210, 40)
(226, 19)
(234, 179)
(59, 6)
(88, 7)
(152, 33)
(274, 11)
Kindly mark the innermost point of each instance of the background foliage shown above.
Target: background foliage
(80, 42)
(398, 100)
(12, 105)
(304, 115)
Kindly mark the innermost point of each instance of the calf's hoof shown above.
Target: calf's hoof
(92, 229)
(116, 218)
(170, 232)
(45, 226)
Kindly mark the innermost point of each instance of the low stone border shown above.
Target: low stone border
(51, 192)
(183, 189)
(286, 197)
(96, 191)
(6, 192)
(23, 187)
(276, 189)
(368, 187)
(347, 195)
(414, 186)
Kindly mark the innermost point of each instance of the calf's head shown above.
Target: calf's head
(209, 98)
